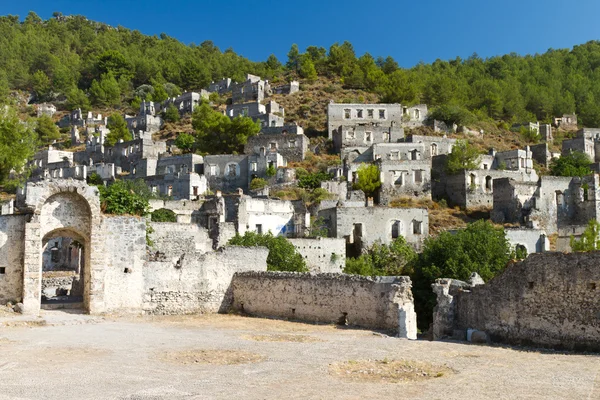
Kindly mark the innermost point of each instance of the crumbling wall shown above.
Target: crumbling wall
(549, 300)
(324, 255)
(384, 303)
(124, 240)
(196, 283)
(12, 246)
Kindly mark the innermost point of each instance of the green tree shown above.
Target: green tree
(160, 94)
(307, 68)
(163, 215)
(124, 198)
(394, 259)
(106, 92)
(76, 98)
(46, 130)
(293, 58)
(171, 113)
(368, 179)
(575, 163)
(41, 85)
(463, 157)
(309, 180)
(118, 130)
(282, 253)
(185, 142)
(480, 247)
(217, 134)
(17, 143)
(589, 240)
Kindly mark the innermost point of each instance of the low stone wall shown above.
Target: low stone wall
(548, 300)
(384, 303)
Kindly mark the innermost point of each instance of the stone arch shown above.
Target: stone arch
(58, 208)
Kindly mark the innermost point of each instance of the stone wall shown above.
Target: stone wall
(322, 255)
(124, 252)
(384, 303)
(12, 246)
(187, 283)
(548, 300)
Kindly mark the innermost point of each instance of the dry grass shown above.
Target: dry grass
(317, 162)
(385, 371)
(209, 356)
(58, 274)
(282, 338)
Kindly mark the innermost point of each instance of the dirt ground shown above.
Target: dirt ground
(230, 357)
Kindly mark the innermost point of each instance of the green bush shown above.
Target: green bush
(282, 253)
(163, 215)
(122, 198)
(394, 259)
(576, 163)
(258, 183)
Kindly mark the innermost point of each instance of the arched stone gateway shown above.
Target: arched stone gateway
(63, 209)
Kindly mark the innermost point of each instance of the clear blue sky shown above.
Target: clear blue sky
(410, 31)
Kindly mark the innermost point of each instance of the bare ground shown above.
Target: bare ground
(252, 358)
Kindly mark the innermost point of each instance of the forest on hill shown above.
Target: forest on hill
(91, 63)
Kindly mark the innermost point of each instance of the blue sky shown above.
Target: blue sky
(410, 31)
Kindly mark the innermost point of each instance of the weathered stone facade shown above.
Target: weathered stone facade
(549, 300)
(322, 255)
(384, 303)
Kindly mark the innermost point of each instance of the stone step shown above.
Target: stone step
(62, 306)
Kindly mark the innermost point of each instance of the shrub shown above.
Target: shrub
(282, 253)
(258, 183)
(163, 215)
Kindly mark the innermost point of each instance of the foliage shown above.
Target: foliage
(318, 228)
(394, 259)
(258, 183)
(94, 179)
(271, 171)
(463, 157)
(368, 179)
(17, 143)
(118, 130)
(125, 197)
(480, 247)
(576, 163)
(76, 98)
(171, 113)
(185, 142)
(163, 215)
(530, 135)
(282, 253)
(106, 91)
(590, 238)
(108, 63)
(452, 114)
(217, 134)
(309, 180)
(46, 130)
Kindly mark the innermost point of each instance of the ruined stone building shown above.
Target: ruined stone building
(362, 226)
(567, 122)
(221, 87)
(252, 89)
(548, 300)
(292, 147)
(414, 116)
(475, 188)
(288, 88)
(556, 205)
(147, 119)
(354, 128)
(587, 140)
(269, 115)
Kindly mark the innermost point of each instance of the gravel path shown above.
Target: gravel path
(124, 358)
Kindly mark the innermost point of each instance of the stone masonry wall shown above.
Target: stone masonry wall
(197, 283)
(124, 240)
(549, 300)
(12, 246)
(329, 298)
(324, 255)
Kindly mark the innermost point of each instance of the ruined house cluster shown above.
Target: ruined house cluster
(56, 244)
